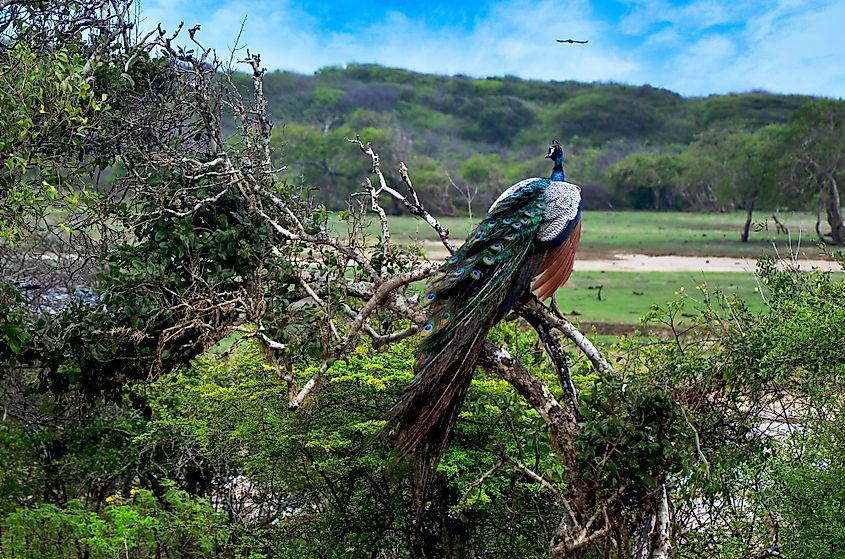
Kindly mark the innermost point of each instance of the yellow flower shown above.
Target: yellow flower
(111, 499)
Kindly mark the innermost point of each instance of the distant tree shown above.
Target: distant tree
(736, 168)
(815, 144)
(324, 106)
(648, 180)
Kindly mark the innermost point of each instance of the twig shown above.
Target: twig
(414, 206)
(560, 323)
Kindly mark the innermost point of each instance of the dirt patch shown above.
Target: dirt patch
(648, 263)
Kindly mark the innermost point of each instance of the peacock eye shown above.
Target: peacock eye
(459, 272)
(476, 274)
(525, 221)
(497, 247)
(509, 237)
(428, 327)
(488, 260)
(507, 221)
(453, 259)
(516, 225)
(479, 235)
(430, 296)
(491, 224)
(447, 315)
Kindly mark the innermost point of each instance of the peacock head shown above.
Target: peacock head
(556, 155)
(555, 152)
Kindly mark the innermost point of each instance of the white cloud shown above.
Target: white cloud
(696, 48)
(647, 15)
(792, 48)
(517, 37)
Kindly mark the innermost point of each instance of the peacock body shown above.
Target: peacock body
(532, 229)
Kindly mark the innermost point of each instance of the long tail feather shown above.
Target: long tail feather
(475, 289)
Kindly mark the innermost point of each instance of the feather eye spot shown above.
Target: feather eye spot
(479, 235)
(428, 328)
(541, 205)
(516, 225)
(497, 247)
(525, 221)
(507, 221)
(491, 224)
(529, 212)
(459, 272)
(447, 315)
(509, 237)
(453, 259)
(430, 296)
(476, 274)
(488, 260)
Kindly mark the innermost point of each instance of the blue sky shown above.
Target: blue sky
(694, 47)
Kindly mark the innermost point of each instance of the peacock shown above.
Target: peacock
(532, 229)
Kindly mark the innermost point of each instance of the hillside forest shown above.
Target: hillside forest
(629, 147)
(205, 318)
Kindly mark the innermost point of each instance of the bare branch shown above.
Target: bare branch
(414, 206)
(311, 385)
(562, 324)
(477, 483)
(561, 422)
(544, 483)
(417, 209)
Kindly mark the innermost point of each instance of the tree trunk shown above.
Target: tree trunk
(834, 213)
(749, 213)
(652, 537)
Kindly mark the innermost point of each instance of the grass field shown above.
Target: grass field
(626, 296)
(607, 233)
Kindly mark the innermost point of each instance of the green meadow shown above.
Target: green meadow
(606, 233)
(613, 299)
(607, 298)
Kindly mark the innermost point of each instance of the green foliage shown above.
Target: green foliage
(809, 493)
(48, 109)
(14, 326)
(630, 439)
(440, 122)
(330, 466)
(139, 525)
(746, 110)
(647, 181)
(757, 402)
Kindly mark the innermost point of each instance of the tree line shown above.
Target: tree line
(629, 147)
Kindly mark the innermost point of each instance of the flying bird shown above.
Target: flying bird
(532, 229)
(572, 41)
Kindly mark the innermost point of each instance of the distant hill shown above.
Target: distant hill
(461, 134)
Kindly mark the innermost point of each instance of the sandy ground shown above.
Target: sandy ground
(646, 263)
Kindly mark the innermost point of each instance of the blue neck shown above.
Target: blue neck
(557, 172)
